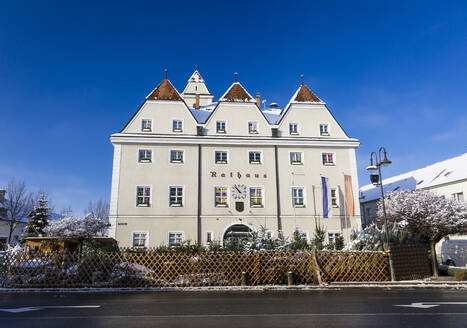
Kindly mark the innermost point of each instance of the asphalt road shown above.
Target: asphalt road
(328, 308)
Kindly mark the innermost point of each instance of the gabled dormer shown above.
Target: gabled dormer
(308, 116)
(196, 93)
(163, 112)
(237, 114)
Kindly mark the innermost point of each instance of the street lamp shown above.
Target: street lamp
(375, 180)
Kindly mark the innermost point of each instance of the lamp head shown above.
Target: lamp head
(371, 167)
(374, 178)
(385, 160)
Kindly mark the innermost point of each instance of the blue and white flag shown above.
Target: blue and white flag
(325, 197)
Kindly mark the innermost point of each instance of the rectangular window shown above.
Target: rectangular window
(145, 156)
(328, 158)
(221, 196)
(254, 157)
(332, 236)
(458, 196)
(323, 130)
(220, 127)
(252, 127)
(256, 197)
(209, 237)
(176, 196)
(146, 125)
(334, 201)
(143, 196)
(298, 197)
(176, 156)
(175, 238)
(296, 158)
(177, 126)
(220, 157)
(140, 239)
(293, 128)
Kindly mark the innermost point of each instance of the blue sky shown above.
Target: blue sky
(72, 73)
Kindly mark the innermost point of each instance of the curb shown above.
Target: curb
(257, 289)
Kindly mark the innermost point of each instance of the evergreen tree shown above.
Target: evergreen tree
(319, 236)
(38, 218)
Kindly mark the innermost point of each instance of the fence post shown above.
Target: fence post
(391, 265)
(243, 278)
(316, 266)
(290, 278)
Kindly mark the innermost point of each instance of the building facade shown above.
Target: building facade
(188, 168)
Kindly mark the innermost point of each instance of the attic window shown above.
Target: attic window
(420, 182)
(397, 188)
(447, 173)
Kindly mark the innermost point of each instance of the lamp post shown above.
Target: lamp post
(375, 180)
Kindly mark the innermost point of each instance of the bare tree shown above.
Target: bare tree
(18, 202)
(99, 209)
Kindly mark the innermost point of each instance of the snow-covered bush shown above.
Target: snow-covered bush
(76, 227)
(429, 216)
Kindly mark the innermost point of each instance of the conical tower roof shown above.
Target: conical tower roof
(237, 93)
(165, 91)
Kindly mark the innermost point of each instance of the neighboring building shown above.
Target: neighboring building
(188, 168)
(5, 226)
(448, 178)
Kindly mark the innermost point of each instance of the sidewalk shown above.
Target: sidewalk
(412, 284)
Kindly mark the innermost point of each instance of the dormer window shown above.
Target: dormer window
(293, 128)
(252, 127)
(220, 127)
(177, 126)
(146, 125)
(323, 129)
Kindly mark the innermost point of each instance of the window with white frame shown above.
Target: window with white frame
(323, 130)
(221, 196)
(296, 158)
(328, 159)
(220, 157)
(298, 197)
(256, 197)
(252, 127)
(334, 197)
(293, 128)
(175, 196)
(146, 125)
(140, 239)
(221, 127)
(175, 238)
(176, 156)
(209, 237)
(254, 157)
(145, 156)
(458, 196)
(143, 196)
(177, 126)
(332, 237)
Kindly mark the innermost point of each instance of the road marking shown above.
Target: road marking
(36, 308)
(427, 305)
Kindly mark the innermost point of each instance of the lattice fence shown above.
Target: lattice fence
(151, 269)
(410, 261)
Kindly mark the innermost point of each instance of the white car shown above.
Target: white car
(454, 252)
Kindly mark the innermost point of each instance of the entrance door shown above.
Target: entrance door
(236, 233)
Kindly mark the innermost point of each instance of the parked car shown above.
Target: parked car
(454, 252)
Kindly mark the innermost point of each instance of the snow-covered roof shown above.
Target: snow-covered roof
(273, 115)
(201, 115)
(447, 171)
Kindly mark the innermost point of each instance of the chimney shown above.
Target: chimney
(258, 100)
(197, 101)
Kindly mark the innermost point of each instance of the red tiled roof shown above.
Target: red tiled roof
(236, 92)
(305, 95)
(165, 91)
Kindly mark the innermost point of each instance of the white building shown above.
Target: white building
(448, 178)
(188, 168)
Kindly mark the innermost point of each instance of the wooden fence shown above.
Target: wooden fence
(410, 261)
(151, 269)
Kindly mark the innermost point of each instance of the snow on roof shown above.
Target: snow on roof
(201, 115)
(450, 170)
(273, 115)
